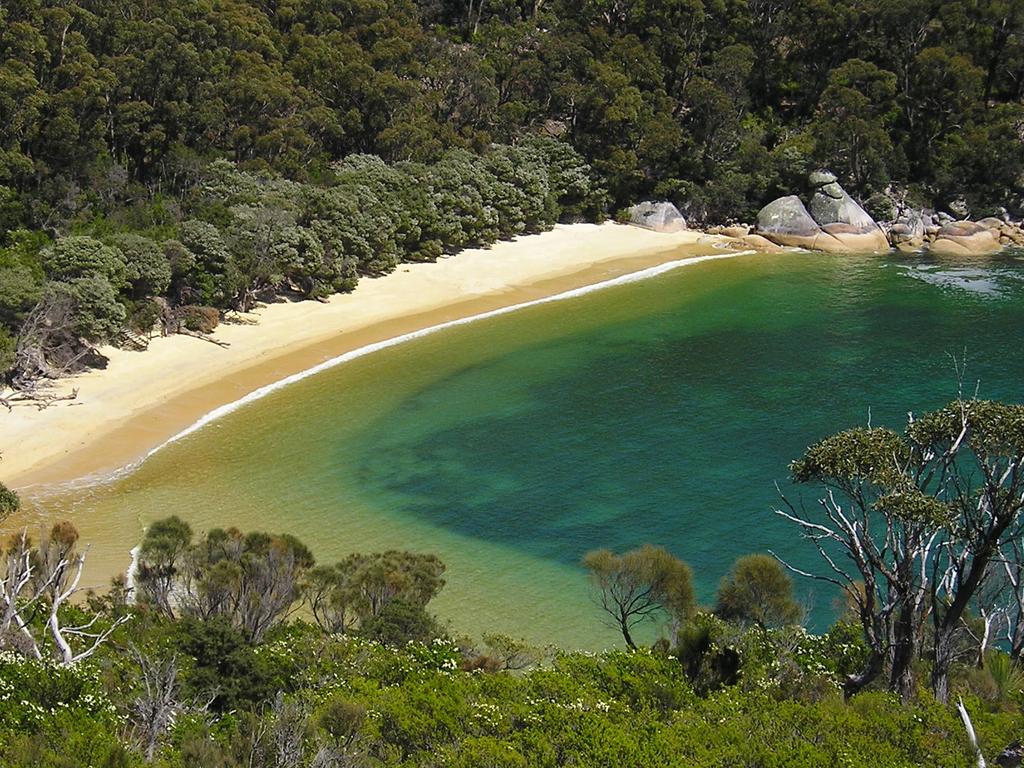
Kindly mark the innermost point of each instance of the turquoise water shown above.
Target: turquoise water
(661, 411)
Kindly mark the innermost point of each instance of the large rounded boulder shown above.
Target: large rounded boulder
(965, 238)
(841, 217)
(660, 217)
(785, 221)
(835, 222)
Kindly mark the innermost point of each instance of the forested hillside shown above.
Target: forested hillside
(120, 121)
(715, 104)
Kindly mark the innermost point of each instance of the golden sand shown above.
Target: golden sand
(143, 398)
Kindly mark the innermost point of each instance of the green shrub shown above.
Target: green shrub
(9, 502)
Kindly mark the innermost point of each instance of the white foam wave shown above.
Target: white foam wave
(268, 389)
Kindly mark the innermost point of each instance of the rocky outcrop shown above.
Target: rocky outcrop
(965, 238)
(940, 233)
(907, 233)
(758, 243)
(660, 217)
(1004, 230)
(831, 205)
(835, 223)
(1011, 234)
(785, 221)
(841, 216)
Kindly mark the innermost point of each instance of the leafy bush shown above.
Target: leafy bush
(199, 319)
(9, 502)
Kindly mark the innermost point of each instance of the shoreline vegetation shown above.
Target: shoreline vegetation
(203, 660)
(166, 168)
(141, 399)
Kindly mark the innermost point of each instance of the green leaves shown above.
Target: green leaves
(911, 505)
(875, 455)
(640, 585)
(96, 312)
(990, 428)
(75, 257)
(9, 502)
(758, 591)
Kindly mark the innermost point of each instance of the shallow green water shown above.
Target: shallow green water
(663, 411)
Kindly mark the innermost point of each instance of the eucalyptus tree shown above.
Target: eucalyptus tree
(359, 590)
(864, 517)
(1011, 561)
(37, 585)
(973, 464)
(161, 557)
(640, 585)
(910, 526)
(253, 580)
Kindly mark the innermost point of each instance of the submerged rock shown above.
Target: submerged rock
(660, 217)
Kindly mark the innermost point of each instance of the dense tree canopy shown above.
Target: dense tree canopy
(105, 103)
(239, 236)
(209, 154)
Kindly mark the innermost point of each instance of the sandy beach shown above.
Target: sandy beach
(141, 399)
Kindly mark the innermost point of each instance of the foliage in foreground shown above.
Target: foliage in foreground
(303, 699)
(205, 668)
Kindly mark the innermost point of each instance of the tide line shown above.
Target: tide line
(267, 389)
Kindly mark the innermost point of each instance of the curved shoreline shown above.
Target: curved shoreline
(267, 389)
(119, 445)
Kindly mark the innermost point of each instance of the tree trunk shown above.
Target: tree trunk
(855, 683)
(1017, 643)
(972, 739)
(901, 678)
(624, 626)
(940, 668)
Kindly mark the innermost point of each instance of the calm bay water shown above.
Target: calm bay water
(660, 411)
